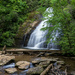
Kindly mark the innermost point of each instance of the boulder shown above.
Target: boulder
(35, 70)
(5, 59)
(23, 64)
(11, 70)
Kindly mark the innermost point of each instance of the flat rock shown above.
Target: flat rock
(11, 70)
(23, 64)
(35, 70)
(38, 60)
(44, 63)
(5, 59)
(60, 62)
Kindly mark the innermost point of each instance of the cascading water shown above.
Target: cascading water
(38, 37)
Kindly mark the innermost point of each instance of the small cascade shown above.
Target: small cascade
(38, 37)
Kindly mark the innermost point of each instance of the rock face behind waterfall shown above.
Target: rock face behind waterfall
(26, 28)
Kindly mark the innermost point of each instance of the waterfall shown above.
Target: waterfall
(38, 37)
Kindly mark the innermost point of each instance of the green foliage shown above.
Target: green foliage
(33, 4)
(12, 13)
(63, 18)
(41, 9)
(7, 38)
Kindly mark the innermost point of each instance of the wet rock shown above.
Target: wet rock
(35, 61)
(11, 70)
(57, 67)
(23, 64)
(35, 70)
(47, 54)
(60, 62)
(5, 59)
(73, 73)
(38, 60)
(25, 29)
(44, 63)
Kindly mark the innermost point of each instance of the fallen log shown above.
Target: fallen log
(46, 70)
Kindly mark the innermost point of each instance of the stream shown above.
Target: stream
(68, 61)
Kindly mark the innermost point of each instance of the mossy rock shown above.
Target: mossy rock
(35, 70)
(28, 26)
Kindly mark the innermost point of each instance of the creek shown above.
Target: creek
(68, 61)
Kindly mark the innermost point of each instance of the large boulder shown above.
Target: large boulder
(23, 64)
(5, 59)
(11, 70)
(35, 70)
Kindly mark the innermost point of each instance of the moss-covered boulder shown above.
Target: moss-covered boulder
(35, 70)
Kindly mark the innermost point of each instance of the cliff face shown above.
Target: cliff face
(27, 28)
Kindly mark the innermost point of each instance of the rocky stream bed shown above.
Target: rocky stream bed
(24, 64)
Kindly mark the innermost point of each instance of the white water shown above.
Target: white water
(38, 37)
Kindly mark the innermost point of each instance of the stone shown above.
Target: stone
(44, 63)
(38, 60)
(73, 73)
(57, 67)
(5, 59)
(23, 64)
(11, 70)
(35, 70)
(60, 62)
(47, 54)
